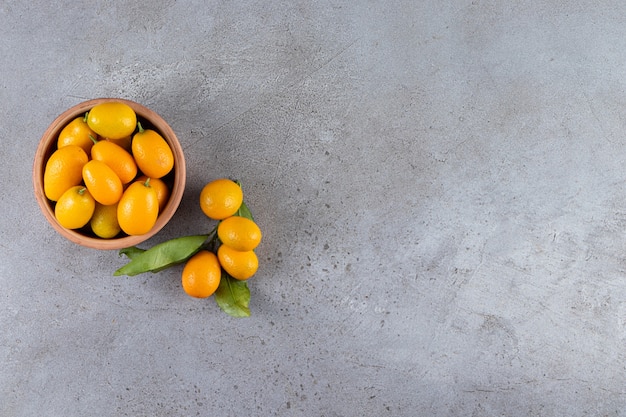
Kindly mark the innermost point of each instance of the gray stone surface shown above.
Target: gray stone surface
(440, 184)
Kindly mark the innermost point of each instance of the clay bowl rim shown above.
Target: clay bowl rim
(47, 145)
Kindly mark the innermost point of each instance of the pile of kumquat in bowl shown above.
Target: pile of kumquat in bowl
(109, 173)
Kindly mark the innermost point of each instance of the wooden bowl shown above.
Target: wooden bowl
(175, 179)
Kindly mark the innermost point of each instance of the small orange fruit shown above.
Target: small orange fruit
(112, 119)
(77, 132)
(102, 182)
(117, 158)
(162, 190)
(64, 169)
(138, 209)
(104, 221)
(74, 208)
(239, 265)
(221, 198)
(239, 233)
(124, 142)
(201, 274)
(153, 155)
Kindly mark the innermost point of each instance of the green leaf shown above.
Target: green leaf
(233, 296)
(131, 252)
(244, 211)
(161, 256)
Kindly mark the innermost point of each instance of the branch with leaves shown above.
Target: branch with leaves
(232, 295)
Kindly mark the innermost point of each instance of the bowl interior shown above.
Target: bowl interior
(175, 179)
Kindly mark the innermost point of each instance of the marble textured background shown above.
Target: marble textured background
(440, 186)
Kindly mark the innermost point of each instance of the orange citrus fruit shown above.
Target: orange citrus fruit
(152, 153)
(102, 182)
(104, 221)
(162, 190)
(64, 169)
(112, 119)
(77, 132)
(221, 198)
(74, 208)
(124, 142)
(201, 274)
(239, 265)
(138, 209)
(239, 233)
(117, 158)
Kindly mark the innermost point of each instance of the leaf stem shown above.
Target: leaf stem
(211, 242)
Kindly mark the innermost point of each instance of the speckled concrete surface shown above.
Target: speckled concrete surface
(440, 184)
